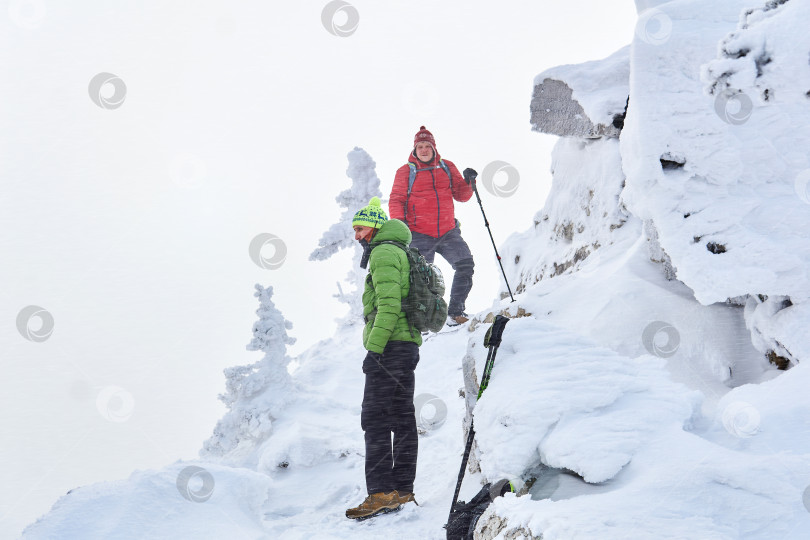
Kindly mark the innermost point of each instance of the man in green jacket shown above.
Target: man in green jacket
(393, 352)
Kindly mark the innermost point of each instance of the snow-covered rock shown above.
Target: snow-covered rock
(715, 183)
(581, 214)
(586, 100)
(712, 146)
(745, 475)
(589, 412)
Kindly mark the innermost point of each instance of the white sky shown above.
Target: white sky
(131, 226)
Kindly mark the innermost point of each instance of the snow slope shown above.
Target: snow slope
(150, 504)
(319, 439)
(620, 420)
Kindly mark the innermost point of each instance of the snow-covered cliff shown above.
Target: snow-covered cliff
(678, 227)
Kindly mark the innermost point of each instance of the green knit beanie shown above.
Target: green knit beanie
(370, 216)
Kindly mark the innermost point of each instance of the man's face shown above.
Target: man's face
(424, 151)
(361, 232)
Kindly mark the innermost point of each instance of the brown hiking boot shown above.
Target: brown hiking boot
(374, 505)
(406, 498)
(455, 320)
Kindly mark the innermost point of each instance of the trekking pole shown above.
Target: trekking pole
(492, 341)
(470, 434)
(486, 222)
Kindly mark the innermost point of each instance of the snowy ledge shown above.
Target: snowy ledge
(584, 100)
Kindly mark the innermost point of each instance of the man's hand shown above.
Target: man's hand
(371, 355)
(470, 175)
(372, 363)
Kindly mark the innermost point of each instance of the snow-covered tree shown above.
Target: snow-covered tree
(365, 185)
(257, 393)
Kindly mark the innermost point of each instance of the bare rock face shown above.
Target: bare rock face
(555, 111)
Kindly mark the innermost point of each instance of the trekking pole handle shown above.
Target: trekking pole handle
(494, 335)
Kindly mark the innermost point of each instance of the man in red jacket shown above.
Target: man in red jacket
(426, 205)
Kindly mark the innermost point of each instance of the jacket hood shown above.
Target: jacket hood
(395, 230)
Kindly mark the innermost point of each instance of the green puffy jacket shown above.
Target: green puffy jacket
(386, 285)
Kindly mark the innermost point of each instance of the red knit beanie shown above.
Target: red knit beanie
(423, 135)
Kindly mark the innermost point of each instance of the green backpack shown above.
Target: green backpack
(424, 306)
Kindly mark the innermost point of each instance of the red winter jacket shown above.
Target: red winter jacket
(430, 204)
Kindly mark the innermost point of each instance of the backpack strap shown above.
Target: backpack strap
(413, 170)
(411, 176)
(411, 180)
(444, 166)
(400, 245)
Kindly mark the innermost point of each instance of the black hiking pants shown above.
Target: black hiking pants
(388, 408)
(455, 250)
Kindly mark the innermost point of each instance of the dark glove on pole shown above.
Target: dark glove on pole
(470, 175)
(375, 356)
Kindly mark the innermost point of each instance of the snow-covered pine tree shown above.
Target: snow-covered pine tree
(257, 393)
(340, 235)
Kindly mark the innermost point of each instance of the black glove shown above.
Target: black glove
(372, 362)
(470, 175)
(371, 355)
